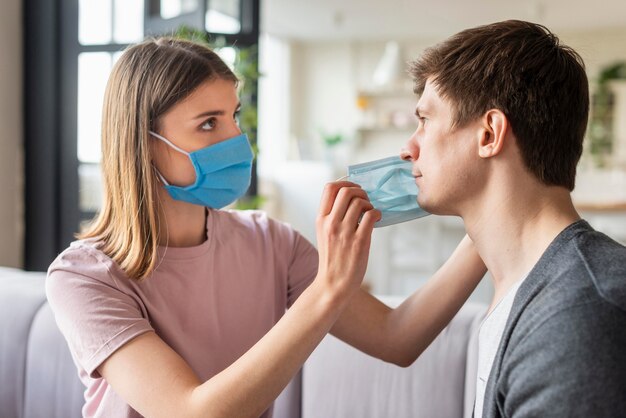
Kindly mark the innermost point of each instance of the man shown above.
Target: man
(502, 114)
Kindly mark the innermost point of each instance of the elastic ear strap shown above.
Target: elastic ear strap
(156, 135)
(160, 176)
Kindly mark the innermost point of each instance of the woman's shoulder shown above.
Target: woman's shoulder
(255, 228)
(83, 258)
(254, 221)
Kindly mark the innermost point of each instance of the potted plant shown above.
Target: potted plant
(601, 132)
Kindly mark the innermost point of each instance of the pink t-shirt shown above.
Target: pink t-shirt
(210, 303)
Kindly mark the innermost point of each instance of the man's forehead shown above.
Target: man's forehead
(429, 98)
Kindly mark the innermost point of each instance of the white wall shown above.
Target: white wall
(323, 91)
(598, 48)
(11, 158)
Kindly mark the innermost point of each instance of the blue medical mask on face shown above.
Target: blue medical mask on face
(222, 172)
(390, 187)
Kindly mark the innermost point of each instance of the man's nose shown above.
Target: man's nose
(410, 152)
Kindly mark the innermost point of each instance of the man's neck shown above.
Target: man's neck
(512, 230)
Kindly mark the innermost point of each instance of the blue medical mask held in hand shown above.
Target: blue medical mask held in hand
(390, 187)
(223, 172)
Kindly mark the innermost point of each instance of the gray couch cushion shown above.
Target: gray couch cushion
(471, 370)
(21, 296)
(53, 388)
(37, 375)
(339, 381)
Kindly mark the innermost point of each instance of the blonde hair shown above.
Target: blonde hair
(148, 79)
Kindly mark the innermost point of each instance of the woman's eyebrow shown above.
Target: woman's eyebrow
(210, 113)
(215, 112)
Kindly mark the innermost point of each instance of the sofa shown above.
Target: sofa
(39, 379)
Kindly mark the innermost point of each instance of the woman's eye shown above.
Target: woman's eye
(236, 116)
(209, 124)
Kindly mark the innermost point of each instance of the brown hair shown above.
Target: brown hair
(521, 69)
(147, 80)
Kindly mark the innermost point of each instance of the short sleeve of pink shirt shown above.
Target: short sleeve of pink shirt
(210, 303)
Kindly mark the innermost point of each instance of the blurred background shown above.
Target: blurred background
(326, 87)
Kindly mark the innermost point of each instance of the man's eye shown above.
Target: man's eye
(209, 125)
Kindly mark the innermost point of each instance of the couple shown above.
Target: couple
(173, 309)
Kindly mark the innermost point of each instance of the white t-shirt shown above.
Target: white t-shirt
(489, 337)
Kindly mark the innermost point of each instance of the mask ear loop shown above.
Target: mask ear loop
(169, 143)
(160, 176)
(342, 178)
(156, 135)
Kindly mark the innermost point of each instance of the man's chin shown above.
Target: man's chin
(435, 209)
(427, 205)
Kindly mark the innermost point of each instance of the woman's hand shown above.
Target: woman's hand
(344, 229)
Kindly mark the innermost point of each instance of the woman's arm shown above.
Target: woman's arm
(156, 381)
(400, 335)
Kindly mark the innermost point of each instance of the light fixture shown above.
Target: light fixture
(390, 67)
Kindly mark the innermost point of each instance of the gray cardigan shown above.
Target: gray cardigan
(563, 350)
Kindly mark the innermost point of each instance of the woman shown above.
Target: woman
(172, 307)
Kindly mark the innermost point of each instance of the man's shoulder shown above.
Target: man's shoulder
(583, 278)
(580, 264)
(603, 261)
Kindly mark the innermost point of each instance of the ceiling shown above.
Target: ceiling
(401, 19)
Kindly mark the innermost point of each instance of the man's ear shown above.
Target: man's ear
(492, 134)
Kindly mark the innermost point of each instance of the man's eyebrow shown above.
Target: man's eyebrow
(215, 112)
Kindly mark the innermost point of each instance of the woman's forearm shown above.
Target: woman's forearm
(400, 335)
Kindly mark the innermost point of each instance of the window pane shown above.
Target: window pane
(228, 54)
(93, 72)
(223, 16)
(174, 8)
(94, 22)
(128, 23)
(116, 56)
(89, 187)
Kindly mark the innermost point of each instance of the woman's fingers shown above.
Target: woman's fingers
(355, 210)
(343, 244)
(329, 195)
(345, 197)
(344, 204)
(366, 225)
